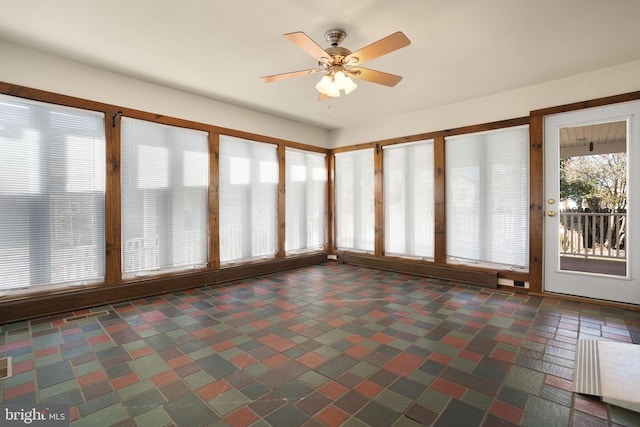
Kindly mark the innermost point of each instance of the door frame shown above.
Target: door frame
(537, 202)
(623, 289)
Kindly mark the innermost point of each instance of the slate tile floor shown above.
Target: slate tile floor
(326, 345)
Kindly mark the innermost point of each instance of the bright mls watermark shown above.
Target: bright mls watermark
(34, 415)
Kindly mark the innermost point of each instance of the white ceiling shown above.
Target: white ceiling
(461, 49)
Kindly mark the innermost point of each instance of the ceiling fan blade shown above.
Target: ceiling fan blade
(323, 97)
(305, 43)
(276, 77)
(375, 76)
(383, 46)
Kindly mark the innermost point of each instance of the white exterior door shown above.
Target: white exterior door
(591, 249)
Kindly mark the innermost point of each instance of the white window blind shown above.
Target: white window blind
(306, 181)
(487, 190)
(52, 176)
(248, 199)
(165, 175)
(354, 193)
(408, 199)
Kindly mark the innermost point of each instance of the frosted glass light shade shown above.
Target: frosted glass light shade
(350, 86)
(333, 91)
(340, 79)
(323, 85)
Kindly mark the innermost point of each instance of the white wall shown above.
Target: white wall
(38, 70)
(30, 68)
(507, 105)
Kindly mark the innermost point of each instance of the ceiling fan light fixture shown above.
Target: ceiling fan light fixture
(331, 84)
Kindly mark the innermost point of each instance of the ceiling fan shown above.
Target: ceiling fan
(339, 64)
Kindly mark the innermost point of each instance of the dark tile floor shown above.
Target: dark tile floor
(326, 345)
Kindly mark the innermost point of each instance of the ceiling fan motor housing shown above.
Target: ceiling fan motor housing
(335, 37)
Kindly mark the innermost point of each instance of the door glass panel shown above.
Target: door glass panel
(593, 199)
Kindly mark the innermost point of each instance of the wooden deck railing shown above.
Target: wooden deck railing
(589, 234)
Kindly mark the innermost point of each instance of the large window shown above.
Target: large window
(248, 199)
(165, 176)
(306, 178)
(52, 176)
(354, 194)
(487, 190)
(408, 199)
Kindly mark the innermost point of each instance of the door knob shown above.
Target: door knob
(551, 213)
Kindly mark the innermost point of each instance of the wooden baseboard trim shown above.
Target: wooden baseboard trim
(478, 276)
(77, 299)
(585, 300)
